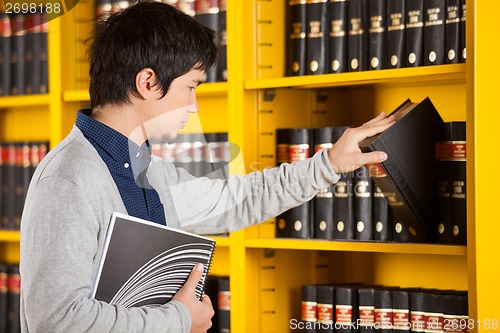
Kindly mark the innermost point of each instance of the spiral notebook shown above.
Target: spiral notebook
(145, 263)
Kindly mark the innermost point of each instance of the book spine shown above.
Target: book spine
(309, 307)
(217, 155)
(343, 210)
(182, 154)
(444, 218)
(346, 305)
(383, 310)
(400, 311)
(366, 310)
(337, 43)
(362, 203)
(44, 54)
(434, 32)
(317, 36)
(463, 34)
(224, 304)
(103, 9)
(17, 55)
(414, 33)
(207, 13)
(300, 216)
(32, 53)
(325, 304)
(5, 52)
(323, 202)
(396, 34)
(357, 40)
(282, 225)
(297, 36)
(459, 185)
(417, 314)
(197, 151)
(452, 32)
(13, 310)
(187, 7)
(381, 216)
(4, 290)
(222, 43)
(9, 186)
(433, 312)
(377, 34)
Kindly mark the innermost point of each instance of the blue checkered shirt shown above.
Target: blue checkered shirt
(127, 162)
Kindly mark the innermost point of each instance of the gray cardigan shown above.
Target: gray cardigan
(67, 210)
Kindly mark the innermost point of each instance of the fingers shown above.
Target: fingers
(377, 118)
(373, 157)
(367, 131)
(205, 299)
(194, 276)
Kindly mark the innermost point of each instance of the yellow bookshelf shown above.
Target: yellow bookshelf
(266, 273)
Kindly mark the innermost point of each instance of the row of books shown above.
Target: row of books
(200, 154)
(23, 54)
(358, 35)
(211, 13)
(10, 286)
(363, 308)
(217, 289)
(18, 161)
(356, 208)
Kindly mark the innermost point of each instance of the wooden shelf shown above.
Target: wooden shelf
(314, 244)
(9, 236)
(220, 241)
(204, 90)
(452, 72)
(24, 100)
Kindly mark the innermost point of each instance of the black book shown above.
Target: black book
(455, 311)
(414, 33)
(44, 54)
(222, 42)
(343, 206)
(5, 52)
(463, 34)
(433, 311)
(300, 217)
(452, 32)
(323, 201)
(400, 311)
(382, 216)
(434, 32)
(4, 294)
(325, 303)
(23, 177)
(282, 227)
(444, 212)
(377, 34)
(103, 9)
(217, 155)
(407, 177)
(383, 310)
(207, 13)
(223, 304)
(357, 39)
(362, 203)
(396, 21)
(32, 53)
(366, 309)
(309, 307)
(400, 233)
(297, 33)
(14, 299)
(18, 41)
(337, 43)
(417, 310)
(458, 182)
(317, 36)
(145, 263)
(346, 303)
(9, 186)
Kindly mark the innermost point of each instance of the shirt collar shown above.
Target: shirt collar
(115, 144)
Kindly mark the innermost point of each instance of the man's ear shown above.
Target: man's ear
(145, 83)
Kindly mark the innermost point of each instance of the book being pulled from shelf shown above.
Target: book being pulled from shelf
(145, 264)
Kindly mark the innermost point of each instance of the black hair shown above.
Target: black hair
(146, 35)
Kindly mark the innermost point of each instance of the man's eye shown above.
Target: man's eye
(192, 88)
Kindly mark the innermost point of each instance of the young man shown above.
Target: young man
(145, 64)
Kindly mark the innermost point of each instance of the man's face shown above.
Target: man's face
(166, 116)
